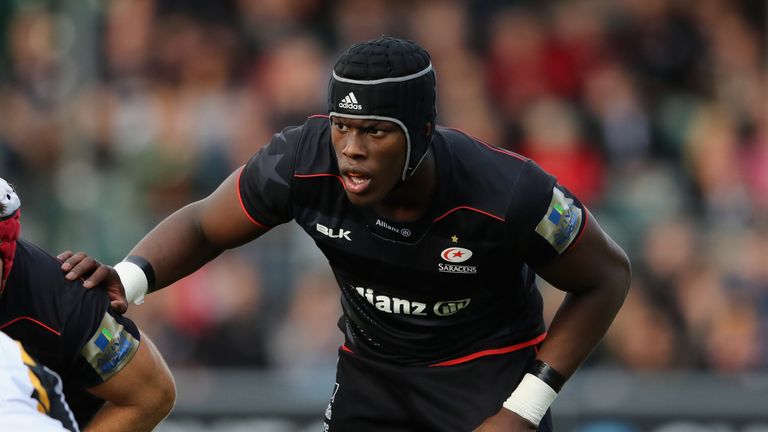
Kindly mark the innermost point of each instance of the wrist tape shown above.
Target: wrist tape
(535, 393)
(137, 276)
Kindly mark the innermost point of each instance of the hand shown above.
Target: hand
(505, 421)
(96, 274)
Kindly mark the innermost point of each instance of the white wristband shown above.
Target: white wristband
(531, 399)
(134, 281)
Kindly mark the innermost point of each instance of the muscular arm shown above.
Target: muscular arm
(138, 397)
(197, 233)
(595, 273)
(182, 243)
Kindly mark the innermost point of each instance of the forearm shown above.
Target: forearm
(176, 247)
(596, 274)
(112, 418)
(578, 326)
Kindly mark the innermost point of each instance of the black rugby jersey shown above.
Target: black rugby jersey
(452, 285)
(66, 327)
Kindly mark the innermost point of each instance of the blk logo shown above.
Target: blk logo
(330, 232)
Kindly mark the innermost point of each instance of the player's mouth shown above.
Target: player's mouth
(355, 182)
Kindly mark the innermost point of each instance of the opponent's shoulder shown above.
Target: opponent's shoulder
(37, 287)
(35, 272)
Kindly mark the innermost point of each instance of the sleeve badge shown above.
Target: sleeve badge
(110, 348)
(561, 222)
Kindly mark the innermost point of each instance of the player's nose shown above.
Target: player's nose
(354, 146)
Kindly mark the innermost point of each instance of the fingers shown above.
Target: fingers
(70, 260)
(67, 254)
(80, 264)
(99, 275)
(119, 306)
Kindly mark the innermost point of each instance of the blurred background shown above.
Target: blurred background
(114, 113)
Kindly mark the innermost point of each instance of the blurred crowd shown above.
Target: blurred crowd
(114, 113)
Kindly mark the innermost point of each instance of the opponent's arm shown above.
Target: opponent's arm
(138, 397)
(595, 273)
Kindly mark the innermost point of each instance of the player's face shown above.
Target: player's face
(371, 156)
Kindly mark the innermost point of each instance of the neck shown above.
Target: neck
(410, 199)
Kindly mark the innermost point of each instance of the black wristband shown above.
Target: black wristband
(146, 267)
(548, 374)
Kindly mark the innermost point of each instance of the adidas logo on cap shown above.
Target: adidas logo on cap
(350, 102)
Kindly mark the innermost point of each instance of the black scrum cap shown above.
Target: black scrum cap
(387, 79)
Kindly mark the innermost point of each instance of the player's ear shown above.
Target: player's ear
(428, 128)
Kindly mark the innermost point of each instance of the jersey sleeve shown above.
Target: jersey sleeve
(265, 182)
(547, 218)
(98, 342)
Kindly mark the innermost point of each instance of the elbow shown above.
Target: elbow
(158, 399)
(622, 276)
(165, 397)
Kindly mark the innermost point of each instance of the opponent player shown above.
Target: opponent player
(31, 395)
(435, 239)
(99, 354)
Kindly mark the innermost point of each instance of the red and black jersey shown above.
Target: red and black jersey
(66, 327)
(453, 285)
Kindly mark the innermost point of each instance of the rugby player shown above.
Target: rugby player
(114, 378)
(435, 239)
(31, 395)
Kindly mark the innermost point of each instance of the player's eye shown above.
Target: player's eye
(340, 126)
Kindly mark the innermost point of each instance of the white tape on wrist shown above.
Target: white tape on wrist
(531, 399)
(134, 281)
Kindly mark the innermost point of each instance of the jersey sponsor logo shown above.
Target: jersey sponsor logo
(350, 102)
(330, 232)
(110, 348)
(392, 305)
(400, 306)
(460, 269)
(456, 254)
(405, 232)
(445, 308)
(561, 222)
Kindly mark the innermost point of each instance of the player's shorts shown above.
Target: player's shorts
(373, 396)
